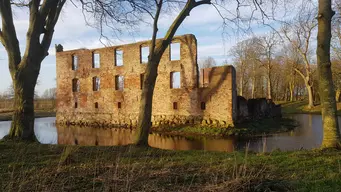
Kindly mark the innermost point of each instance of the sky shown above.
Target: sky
(72, 32)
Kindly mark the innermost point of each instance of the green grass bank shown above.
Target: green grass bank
(301, 107)
(251, 128)
(37, 167)
(7, 115)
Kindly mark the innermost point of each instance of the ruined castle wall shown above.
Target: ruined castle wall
(218, 91)
(117, 107)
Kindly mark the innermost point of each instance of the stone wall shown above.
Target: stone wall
(256, 109)
(190, 104)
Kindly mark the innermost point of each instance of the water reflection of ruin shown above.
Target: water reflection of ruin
(74, 135)
(307, 136)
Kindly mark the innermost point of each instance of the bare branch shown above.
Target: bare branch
(20, 4)
(300, 73)
(1, 38)
(202, 2)
(155, 29)
(8, 35)
(51, 21)
(182, 15)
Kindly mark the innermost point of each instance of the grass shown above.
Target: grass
(301, 107)
(7, 115)
(36, 167)
(251, 128)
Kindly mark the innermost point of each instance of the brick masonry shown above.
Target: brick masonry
(209, 98)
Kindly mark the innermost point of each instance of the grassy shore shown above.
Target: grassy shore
(36, 167)
(7, 115)
(301, 107)
(252, 128)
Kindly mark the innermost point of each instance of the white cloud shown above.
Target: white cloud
(203, 15)
(71, 24)
(212, 50)
(196, 17)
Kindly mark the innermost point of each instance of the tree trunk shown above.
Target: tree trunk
(269, 87)
(285, 98)
(297, 93)
(42, 20)
(241, 84)
(309, 87)
(145, 113)
(269, 82)
(338, 95)
(253, 87)
(331, 133)
(22, 127)
(310, 95)
(156, 50)
(291, 88)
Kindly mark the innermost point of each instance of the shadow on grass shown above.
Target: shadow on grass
(36, 167)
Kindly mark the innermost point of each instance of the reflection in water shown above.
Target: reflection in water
(44, 128)
(308, 135)
(108, 137)
(4, 128)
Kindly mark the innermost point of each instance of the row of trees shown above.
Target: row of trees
(115, 14)
(9, 94)
(282, 64)
(47, 94)
(284, 61)
(276, 74)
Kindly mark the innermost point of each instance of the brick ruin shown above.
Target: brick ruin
(102, 87)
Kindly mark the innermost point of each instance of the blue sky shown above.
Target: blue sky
(72, 32)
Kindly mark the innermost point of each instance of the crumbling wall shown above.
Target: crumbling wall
(255, 109)
(218, 92)
(189, 104)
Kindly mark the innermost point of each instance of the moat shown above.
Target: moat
(307, 135)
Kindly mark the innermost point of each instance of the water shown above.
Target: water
(44, 128)
(307, 136)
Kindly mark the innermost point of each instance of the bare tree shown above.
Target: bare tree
(106, 12)
(278, 79)
(247, 55)
(331, 132)
(291, 61)
(268, 44)
(299, 34)
(336, 70)
(336, 49)
(24, 69)
(207, 63)
(156, 50)
(10, 91)
(239, 53)
(49, 94)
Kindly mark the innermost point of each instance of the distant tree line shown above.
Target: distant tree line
(282, 65)
(49, 93)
